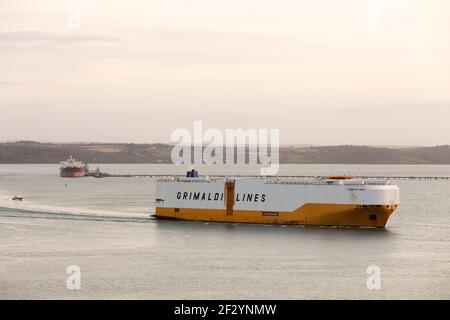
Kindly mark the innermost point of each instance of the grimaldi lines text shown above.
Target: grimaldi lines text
(208, 196)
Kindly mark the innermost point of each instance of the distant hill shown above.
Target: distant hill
(35, 152)
(366, 155)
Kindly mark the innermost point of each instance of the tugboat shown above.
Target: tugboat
(72, 168)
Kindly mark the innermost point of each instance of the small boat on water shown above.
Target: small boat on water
(17, 198)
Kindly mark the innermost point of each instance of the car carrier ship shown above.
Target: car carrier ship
(328, 201)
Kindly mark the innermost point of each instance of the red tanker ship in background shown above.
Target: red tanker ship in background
(72, 168)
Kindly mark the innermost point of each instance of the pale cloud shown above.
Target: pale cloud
(314, 69)
(34, 40)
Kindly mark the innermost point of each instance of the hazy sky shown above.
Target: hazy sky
(323, 72)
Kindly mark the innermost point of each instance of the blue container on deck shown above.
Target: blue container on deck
(192, 174)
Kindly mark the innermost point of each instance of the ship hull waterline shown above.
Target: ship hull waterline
(72, 174)
(327, 215)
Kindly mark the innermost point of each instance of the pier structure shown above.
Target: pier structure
(98, 174)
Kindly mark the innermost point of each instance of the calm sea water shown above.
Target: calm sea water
(104, 227)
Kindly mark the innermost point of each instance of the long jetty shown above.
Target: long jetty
(97, 174)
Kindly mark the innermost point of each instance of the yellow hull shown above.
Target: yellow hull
(343, 215)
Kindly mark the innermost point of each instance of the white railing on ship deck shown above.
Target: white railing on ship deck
(322, 181)
(186, 179)
(279, 180)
